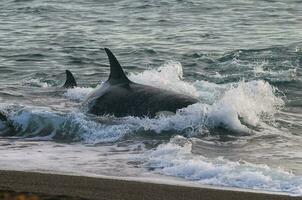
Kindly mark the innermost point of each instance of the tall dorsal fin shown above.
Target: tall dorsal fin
(117, 75)
(70, 80)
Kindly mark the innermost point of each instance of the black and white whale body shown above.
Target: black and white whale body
(121, 97)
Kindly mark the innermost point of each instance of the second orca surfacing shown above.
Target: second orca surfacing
(121, 97)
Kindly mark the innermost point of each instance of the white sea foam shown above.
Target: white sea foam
(175, 159)
(78, 93)
(289, 74)
(36, 122)
(90, 131)
(169, 76)
(67, 158)
(253, 101)
(36, 82)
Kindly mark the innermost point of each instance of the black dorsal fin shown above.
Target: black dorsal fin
(3, 116)
(117, 75)
(70, 80)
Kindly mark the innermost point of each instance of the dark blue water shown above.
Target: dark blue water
(241, 58)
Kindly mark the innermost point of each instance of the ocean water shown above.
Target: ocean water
(241, 58)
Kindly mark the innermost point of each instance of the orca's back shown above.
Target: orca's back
(139, 100)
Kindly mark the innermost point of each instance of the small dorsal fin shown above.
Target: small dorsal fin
(70, 80)
(117, 75)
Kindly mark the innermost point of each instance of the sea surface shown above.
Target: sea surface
(241, 58)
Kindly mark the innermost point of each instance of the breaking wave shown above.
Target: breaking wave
(176, 159)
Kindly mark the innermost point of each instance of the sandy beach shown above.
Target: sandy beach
(54, 186)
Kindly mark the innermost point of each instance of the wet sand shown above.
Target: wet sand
(53, 186)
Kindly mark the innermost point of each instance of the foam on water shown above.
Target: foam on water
(284, 75)
(36, 122)
(252, 101)
(168, 76)
(78, 93)
(36, 82)
(76, 159)
(176, 159)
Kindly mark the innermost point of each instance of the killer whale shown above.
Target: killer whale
(69, 83)
(70, 80)
(121, 97)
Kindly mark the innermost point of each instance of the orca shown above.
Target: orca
(121, 97)
(70, 80)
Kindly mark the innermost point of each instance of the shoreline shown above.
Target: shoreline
(94, 188)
